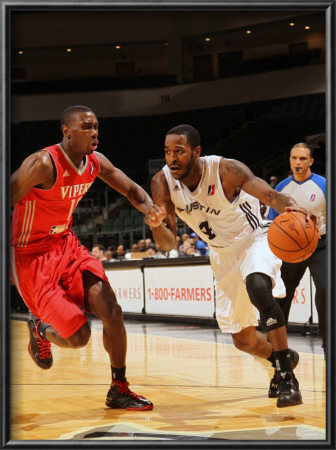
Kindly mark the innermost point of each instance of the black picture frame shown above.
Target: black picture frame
(7, 6)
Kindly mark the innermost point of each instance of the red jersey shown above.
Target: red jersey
(43, 216)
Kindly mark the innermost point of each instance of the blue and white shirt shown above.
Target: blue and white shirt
(310, 194)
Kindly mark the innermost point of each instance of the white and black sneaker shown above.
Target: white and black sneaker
(290, 394)
(274, 388)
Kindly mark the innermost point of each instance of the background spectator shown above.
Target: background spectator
(184, 237)
(189, 248)
(199, 244)
(98, 252)
(121, 252)
(142, 245)
(148, 242)
(109, 255)
(134, 249)
(151, 251)
(273, 181)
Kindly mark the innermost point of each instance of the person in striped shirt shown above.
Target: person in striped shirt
(309, 190)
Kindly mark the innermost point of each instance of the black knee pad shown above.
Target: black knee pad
(259, 289)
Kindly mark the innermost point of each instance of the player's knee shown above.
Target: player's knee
(110, 312)
(105, 305)
(80, 338)
(115, 312)
(240, 345)
(259, 289)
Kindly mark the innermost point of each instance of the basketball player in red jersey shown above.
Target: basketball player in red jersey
(56, 276)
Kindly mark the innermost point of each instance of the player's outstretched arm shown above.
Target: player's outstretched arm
(161, 216)
(119, 181)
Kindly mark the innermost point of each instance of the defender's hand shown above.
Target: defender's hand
(155, 216)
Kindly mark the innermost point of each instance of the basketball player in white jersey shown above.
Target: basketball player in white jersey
(219, 199)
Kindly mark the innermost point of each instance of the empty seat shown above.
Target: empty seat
(124, 212)
(117, 225)
(128, 223)
(107, 225)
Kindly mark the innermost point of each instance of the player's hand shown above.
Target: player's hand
(306, 212)
(155, 216)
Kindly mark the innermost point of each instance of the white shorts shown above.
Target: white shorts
(231, 266)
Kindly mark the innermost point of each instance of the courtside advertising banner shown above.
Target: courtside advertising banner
(128, 288)
(180, 290)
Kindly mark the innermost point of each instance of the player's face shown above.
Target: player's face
(83, 131)
(300, 161)
(178, 155)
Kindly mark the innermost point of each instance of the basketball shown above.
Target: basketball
(292, 237)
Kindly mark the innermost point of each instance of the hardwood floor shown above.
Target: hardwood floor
(201, 390)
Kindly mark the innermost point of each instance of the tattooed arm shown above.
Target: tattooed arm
(161, 216)
(236, 176)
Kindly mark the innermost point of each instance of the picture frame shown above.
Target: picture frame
(7, 7)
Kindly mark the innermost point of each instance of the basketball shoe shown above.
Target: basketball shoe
(38, 348)
(290, 394)
(274, 389)
(119, 396)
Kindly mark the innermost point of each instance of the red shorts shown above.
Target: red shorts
(51, 283)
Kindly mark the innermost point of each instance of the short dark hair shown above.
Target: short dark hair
(100, 247)
(304, 145)
(193, 136)
(69, 113)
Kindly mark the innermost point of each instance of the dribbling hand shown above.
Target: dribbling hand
(306, 212)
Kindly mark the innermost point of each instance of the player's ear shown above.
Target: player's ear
(311, 161)
(66, 131)
(197, 150)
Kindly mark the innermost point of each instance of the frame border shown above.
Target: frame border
(6, 7)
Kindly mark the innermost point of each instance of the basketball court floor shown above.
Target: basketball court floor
(203, 389)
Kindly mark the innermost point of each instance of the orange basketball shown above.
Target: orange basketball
(292, 237)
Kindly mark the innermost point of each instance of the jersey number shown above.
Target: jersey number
(74, 203)
(206, 229)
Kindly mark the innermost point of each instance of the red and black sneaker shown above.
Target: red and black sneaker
(38, 348)
(119, 396)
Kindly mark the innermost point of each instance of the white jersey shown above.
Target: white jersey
(237, 238)
(209, 213)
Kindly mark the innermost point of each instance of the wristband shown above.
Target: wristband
(156, 225)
